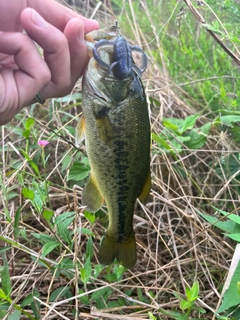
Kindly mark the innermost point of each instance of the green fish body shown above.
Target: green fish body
(117, 132)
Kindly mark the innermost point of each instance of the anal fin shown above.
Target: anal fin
(146, 188)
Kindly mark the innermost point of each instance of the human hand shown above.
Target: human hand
(24, 72)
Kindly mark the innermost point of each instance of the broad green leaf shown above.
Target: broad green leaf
(151, 316)
(30, 298)
(31, 162)
(65, 234)
(198, 137)
(78, 171)
(161, 142)
(85, 298)
(63, 222)
(3, 313)
(3, 295)
(86, 231)
(89, 248)
(16, 315)
(86, 271)
(4, 249)
(43, 237)
(184, 304)
(169, 124)
(228, 226)
(231, 296)
(192, 293)
(90, 216)
(230, 216)
(49, 247)
(233, 236)
(100, 293)
(98, 268)
(66, 218)
(59, 293)
(5, 278)
(28, 193)
(227, 120)
(188, 123)
(29, 123)
(47, 214)
(66, 162)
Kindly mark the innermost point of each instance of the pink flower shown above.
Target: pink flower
(42, 143)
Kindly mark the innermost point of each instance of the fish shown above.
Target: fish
(116, 128)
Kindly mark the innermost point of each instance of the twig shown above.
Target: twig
(215, 37)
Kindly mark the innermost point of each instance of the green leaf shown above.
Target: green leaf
(31, 162)
(65, 234)
(44, 238)
(66, 162)
(198, 137)
(188, 123)
(59, 293)
(16, 222)
(3, 313)
(5, 278)
(28, 193)
(233, 236)
(63, 222)
(100, 293)
(231, 296)
(90, 216)
(86, 271)
(4, 249)
(47, 214)
(161, 142)
(78, 171)
(49, 247)
(169, 124)
(231, 216)
(16, 315)
(228, 226)
(30, 298)
(29, 123)
(98, 268)
(3, 295)
(227, 120)
(89, 248)
(192, 293)
(86, 231)
(184, 305)
(151, 316)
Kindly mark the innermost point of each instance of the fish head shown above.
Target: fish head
(102, 81)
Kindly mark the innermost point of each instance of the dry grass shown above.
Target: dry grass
(175, 246)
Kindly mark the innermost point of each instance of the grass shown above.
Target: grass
(49, 244)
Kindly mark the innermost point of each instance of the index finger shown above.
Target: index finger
(59, 15)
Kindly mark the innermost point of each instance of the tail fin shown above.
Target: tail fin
(124, 252)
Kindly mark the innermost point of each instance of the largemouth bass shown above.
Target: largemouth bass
(116, 127)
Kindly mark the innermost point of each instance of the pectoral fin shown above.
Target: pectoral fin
(91, 197)
(105, 129)
(80, 131)
(146, 189)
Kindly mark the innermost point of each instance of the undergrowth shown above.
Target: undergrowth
(186, 233)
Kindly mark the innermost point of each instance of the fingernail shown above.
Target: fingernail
(38, 20)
